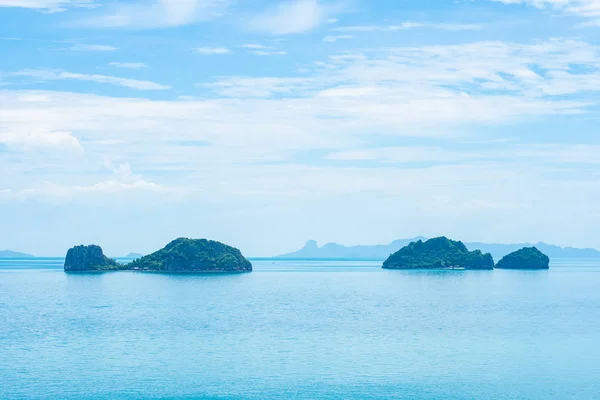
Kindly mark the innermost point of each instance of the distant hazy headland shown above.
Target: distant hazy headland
(14, 254)
(381, 252)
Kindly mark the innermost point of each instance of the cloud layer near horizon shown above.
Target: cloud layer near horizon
(305, 111)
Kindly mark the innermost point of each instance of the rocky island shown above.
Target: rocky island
(180, 256)
(526, 258)
(190, 255)
(89, 258)
(438, 253)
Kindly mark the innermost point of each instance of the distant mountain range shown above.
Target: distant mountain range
(14, 254)
(134, 255)
(382, 252)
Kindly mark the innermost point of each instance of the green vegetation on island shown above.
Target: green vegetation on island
(181, 255)
(189, 255)
(438, 253)
(89, 258)
(526, 258)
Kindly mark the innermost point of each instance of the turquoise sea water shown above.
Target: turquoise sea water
(300, 330)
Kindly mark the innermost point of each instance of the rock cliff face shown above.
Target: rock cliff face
(438, 253)
(526, 258)
(88, 258)
(193, 255)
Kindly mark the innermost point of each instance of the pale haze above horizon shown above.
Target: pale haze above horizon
(265, 124)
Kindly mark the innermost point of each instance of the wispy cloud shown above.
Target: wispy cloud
(333, 39)
(92, 47)
(161, 13)
(409, 25)
(290, 17)
(255, 46)
(39, 139)
(123, 182)
(474, 69)
(583, 8)
(259, 87)
(552, 153)
(588, 8)
(50, 75)
(47, 5)
(420, 91)
(263, 50)
(213, 50)
(269, 52)
(128, 65)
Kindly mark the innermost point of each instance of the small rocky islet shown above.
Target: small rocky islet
(179, 256)
(89, 258)
(438, 253)
(526, 258)
(443, 253)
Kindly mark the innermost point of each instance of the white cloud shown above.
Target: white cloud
(269, 52)
(255, 46)
(93, 47)
(583, 8)
(111, 186)
(409, 25)
(47, 5)
(335, 108)
(263, 50)
(258, 87)
(161, 13)
(57, 192)
(49, 75)
(436, 73)
(290, 17)
(360, 28)
(212, 50)
(332, 39)
(122, 185)
(28, 140)
(36, 98)
(404, 155)
(128, 65)
(254, 144)
(549, 153)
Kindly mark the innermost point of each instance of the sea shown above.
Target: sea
(300, 329)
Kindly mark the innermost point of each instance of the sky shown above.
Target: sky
(264, 124)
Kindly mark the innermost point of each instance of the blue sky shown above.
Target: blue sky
(264, 124)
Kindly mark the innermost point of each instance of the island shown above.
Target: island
(89, 258)
(182, 255)
(134, 255)
(526, 258)
(438, 253)
(193, 255)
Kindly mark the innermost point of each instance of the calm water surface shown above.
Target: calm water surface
(300, 330)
